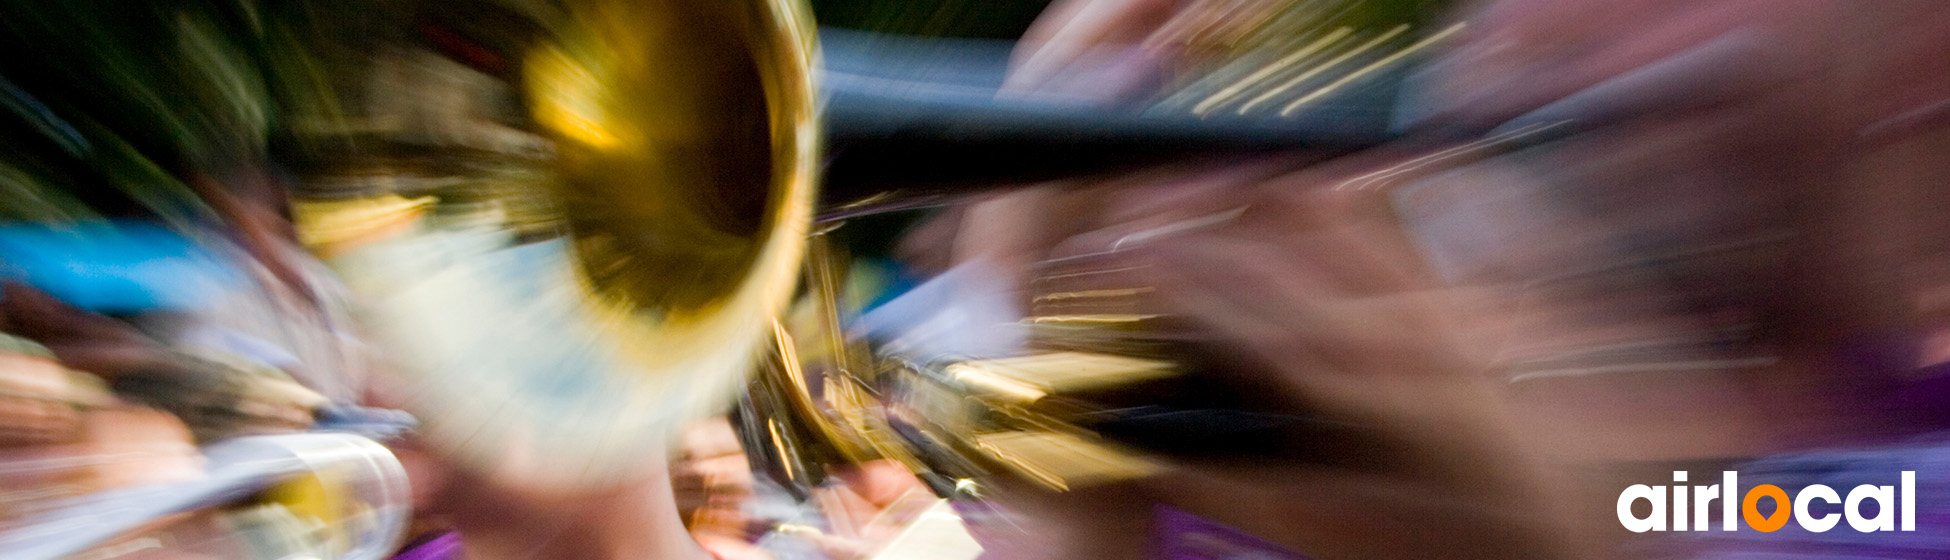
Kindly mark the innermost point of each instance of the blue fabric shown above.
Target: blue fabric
(116, 267)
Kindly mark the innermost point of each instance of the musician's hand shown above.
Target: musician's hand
(1092, 49)
(1320, 293)
(1519, 55)
(711, 478)
(1318, 296)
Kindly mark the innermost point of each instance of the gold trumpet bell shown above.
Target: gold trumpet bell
(566, 306)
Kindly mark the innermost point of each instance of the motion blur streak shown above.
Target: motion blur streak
(960, 279)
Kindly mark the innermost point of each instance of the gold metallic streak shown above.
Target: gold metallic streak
(1104, 318)
(1061, 461)
(1120, 292)
(1370, 179)
(1377, 65)
(1370, 45)
(1304, 52)
(995, 385)
(778, 444)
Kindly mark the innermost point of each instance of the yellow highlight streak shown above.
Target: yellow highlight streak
(1120, 292)
(1009, 389)
(1223, 95)
(570, 98)
(1370, 45)
(1100, 318)
(1390, 59)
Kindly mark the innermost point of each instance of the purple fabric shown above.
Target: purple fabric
(443, 547)
(1840, 469)
(1183, 536)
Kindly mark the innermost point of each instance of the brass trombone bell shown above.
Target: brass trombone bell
(635, 254)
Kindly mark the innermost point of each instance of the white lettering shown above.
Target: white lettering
(1909, 500)
(1891, 502)
(1702, 496)
(1809, 494)
(1655, 495)
(1730, 501)
(1885, 497)
(1679, 501)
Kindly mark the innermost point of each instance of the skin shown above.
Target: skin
(1326, 303)
(1323, 302)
